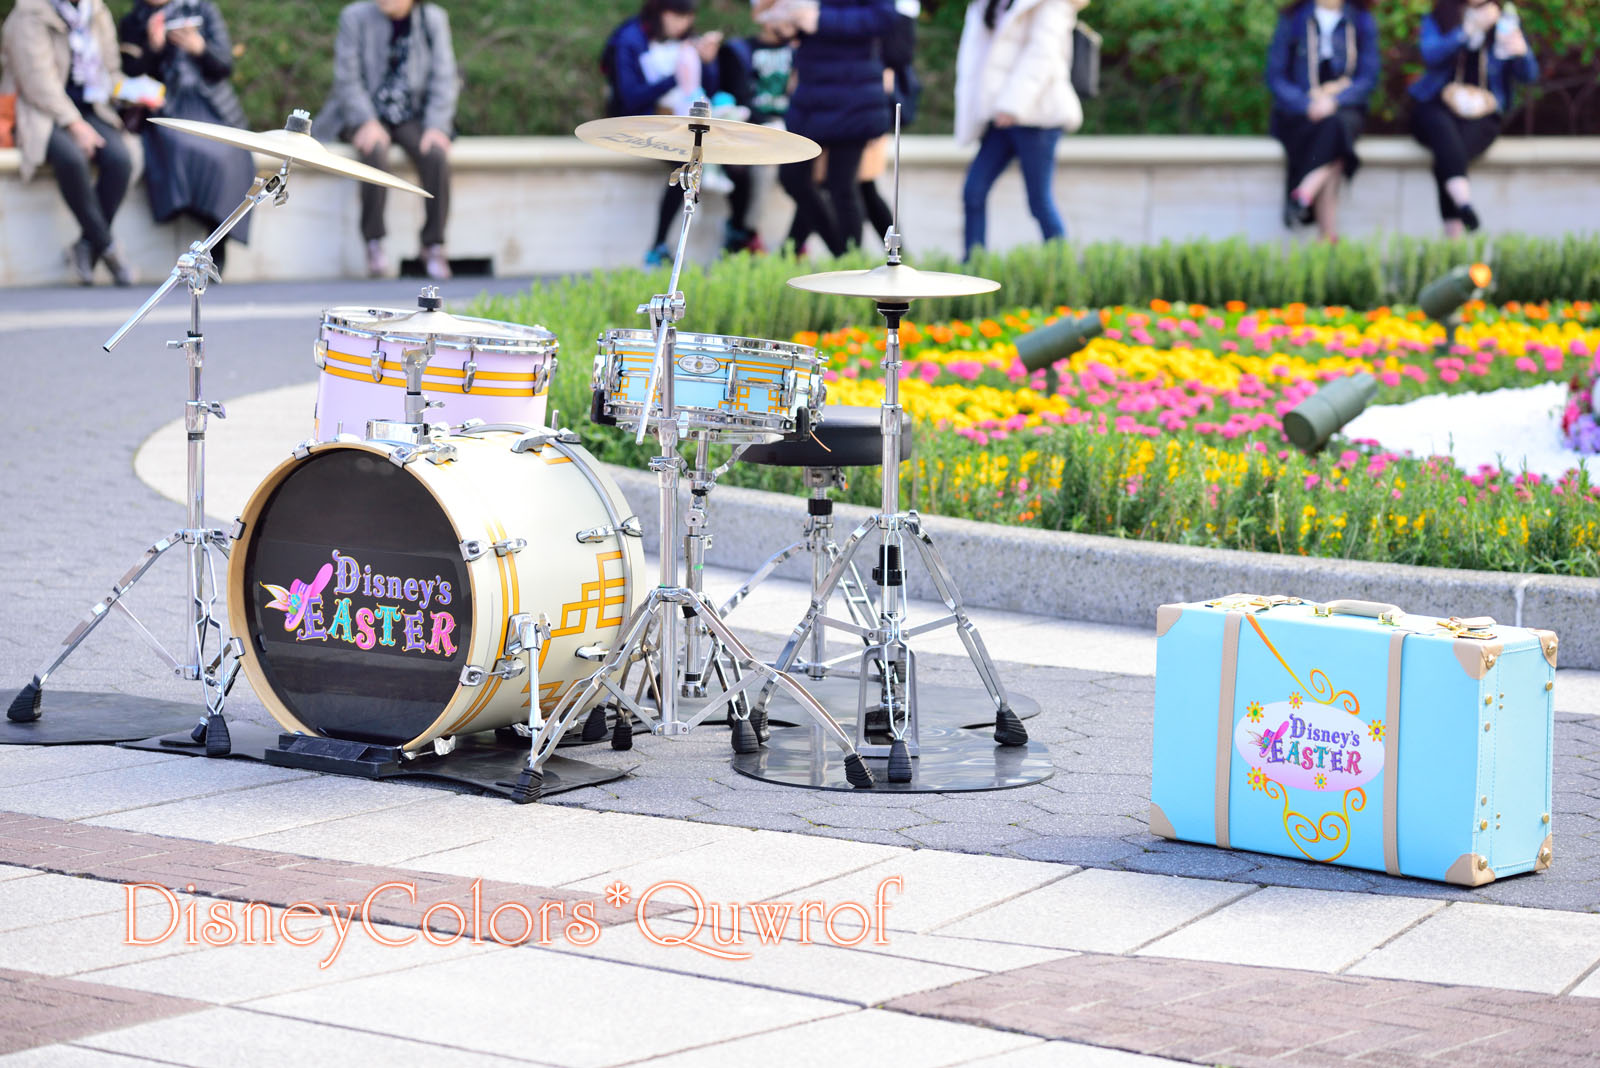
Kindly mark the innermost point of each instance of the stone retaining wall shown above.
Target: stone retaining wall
(546, 205)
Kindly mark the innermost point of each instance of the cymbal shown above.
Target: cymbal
(669, 137)
(292, 146)
(428, 322)
(894, 283)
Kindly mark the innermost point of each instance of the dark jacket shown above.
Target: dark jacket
(206, 74)
(839, 96)
(1441, 53)
(1288, 75)
(620, 60)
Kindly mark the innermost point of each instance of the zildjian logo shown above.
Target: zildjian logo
(646, 142)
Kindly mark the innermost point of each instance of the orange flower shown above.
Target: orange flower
(806, 337)
(961, 328)
(1235, 306)
(1160, 306)
(989, 328)
(1295, 314)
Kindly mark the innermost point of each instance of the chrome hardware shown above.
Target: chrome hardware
(472, 675)
(508, 668)
(629, 527)
(377, 365)
(470, 374)
(470, 424)
(596, 653)
(319, 353)
(509, 546)
(440, 454)
(473, 548)
(444, 746)
(302, 450)
(236, 531)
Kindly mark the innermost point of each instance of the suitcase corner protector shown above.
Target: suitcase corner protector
(1159, 824)
(1166, 616)
(1546, 851)
(1469, 869)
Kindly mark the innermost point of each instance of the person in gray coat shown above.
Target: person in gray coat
(394, 81)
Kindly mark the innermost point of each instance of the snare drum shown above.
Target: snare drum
(375, 598)
(481, 369)
(742, 388)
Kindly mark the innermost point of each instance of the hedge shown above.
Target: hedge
(1170, 66)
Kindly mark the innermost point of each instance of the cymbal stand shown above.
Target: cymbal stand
(215, 668)
(651, 633)
(887, 647)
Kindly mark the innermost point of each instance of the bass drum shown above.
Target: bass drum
(374, 596)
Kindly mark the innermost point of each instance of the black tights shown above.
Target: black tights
(1454, 142)
(94, 201)
(840, 225)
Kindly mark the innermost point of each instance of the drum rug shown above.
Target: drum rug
(479, 761)
(72, 717)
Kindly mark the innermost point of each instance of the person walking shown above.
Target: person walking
(60, 58)
(1014, 96)
(184, 45)
(755, 71)
(395, 82)
(1321, 68)
(655, 65)
(1475, 53)
(839, 102)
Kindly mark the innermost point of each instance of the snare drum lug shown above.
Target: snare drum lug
(319, 354)
(473, 675)
(377, 365)
(444, 746)
(473, 548)
(470, 375)
(509, 546)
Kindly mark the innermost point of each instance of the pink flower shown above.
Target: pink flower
(1526, 365)
(1312, 480)
(1114, 335)
(1395, 494)
(1390, 378)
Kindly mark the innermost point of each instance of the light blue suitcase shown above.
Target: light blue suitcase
(1352, 733)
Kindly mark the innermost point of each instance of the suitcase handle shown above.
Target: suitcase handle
(1372, 609)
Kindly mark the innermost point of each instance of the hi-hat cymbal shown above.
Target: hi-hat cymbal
(293, 146)
(669, 137)
(894, 283)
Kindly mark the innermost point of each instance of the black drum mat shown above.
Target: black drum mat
(73, 717)
(937, 706)
(951, 761)
(478, 761)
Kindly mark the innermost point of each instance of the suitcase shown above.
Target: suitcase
(1353, 733)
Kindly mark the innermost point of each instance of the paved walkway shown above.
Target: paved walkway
(1087, 942)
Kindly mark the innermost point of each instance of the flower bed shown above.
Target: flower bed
(1168, 427)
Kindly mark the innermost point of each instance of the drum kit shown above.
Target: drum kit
(402, 582)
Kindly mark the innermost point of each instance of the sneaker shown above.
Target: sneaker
(738, 239)
(436, 263)
(377, 261)
(112, 258)
(659, 256)
(1469, 218)
(82, 258)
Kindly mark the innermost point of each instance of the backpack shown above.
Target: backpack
(1085, 62)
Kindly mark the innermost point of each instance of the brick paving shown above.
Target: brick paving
(241, 873)
(1237, 1015)
(37, 1010)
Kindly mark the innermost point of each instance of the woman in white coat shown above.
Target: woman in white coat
(1014, 97)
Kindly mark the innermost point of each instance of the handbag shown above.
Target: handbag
(1470, 101)
(1085, 67)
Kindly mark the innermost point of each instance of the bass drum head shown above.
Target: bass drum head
(380, 653)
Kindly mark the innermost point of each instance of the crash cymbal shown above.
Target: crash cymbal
(669, 137)
(432, 322)
(894, 283)
(293, 146)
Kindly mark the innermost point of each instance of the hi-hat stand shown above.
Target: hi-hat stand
(210, 659)
(652, 633)
(887, 658)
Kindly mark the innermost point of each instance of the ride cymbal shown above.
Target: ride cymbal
(294, 147)
(669, 137)
(894, 283)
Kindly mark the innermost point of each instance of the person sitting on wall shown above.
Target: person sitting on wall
(61, 60)
(394, 81)
(1321, 68)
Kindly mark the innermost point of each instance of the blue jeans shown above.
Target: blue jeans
(1035, 149)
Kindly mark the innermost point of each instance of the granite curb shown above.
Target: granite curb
(1099, 579)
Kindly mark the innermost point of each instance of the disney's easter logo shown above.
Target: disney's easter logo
(1308, 745)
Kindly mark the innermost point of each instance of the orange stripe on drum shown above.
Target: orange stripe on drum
(357, 376)
(437, 372)
(497, 532)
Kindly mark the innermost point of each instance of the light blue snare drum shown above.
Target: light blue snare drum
(741, 388)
